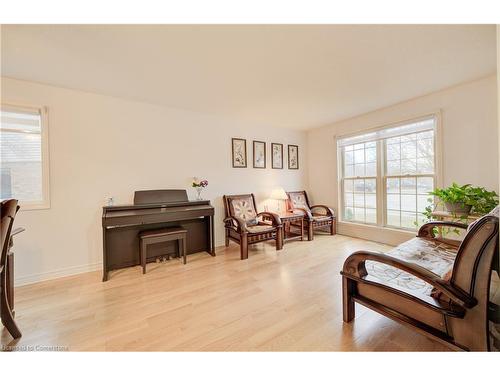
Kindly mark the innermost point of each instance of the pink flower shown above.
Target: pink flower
(202, 183)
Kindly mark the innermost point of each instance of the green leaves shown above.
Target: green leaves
(481, 200)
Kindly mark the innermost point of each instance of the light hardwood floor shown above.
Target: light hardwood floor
(275, 301)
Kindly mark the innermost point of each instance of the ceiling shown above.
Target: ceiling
(295, 76)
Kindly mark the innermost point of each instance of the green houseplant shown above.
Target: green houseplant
(461, 200)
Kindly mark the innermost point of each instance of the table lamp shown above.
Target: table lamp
(280, 195)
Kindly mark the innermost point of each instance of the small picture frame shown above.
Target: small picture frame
(239, 152)
(259, 154)
(293, 157)
(276, 155)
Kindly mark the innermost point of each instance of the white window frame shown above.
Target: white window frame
(44, 118)
(381, 177)
(357, 178)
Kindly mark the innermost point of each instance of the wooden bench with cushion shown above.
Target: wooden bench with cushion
(438, 287)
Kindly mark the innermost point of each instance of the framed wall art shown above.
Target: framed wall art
(239, 150)
(276, 155)
(259, 154)
(293, 157)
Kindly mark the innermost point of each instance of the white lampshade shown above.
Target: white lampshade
(279, 194)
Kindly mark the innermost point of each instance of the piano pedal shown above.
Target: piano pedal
(163, 259)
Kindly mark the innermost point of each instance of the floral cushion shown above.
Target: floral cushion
(432, 255)
(261, 228)
(298, 200)
(243, 209)
(320, 217)
(436, 293)
(495, 211)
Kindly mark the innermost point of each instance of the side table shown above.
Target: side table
(287, 218)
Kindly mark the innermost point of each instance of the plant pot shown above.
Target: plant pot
(458, 208)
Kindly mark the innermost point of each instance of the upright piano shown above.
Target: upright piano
(154, 209)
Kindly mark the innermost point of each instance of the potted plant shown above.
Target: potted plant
(461, 200)
(481, 200)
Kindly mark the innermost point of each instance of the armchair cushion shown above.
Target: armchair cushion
(298, 200)
(319, 217)
(261, 228)
(446, 277)
(435, 256)
(243, 209)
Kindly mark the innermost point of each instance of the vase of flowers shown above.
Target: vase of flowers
(199, 185)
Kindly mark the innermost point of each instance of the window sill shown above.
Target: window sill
(388, 235)
(403, 230)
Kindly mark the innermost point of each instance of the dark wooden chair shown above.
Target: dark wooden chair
(9, 210)
(435, 286)
(245, 226)
(317, 216)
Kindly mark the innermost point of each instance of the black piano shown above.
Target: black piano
(154, 209)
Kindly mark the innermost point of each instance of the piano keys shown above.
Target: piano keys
(154, 209)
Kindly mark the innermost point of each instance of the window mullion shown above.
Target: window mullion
(341, 187)
(380, 184)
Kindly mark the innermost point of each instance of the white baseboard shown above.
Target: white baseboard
(69, 271)
(62, 272)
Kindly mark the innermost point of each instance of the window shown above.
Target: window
(385, 174)
(24, 156)
(360, 183)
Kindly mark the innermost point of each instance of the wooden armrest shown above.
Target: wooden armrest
(328, 210)
(447, 308)
(355, 265)
(240, 226)
(427, 231)
(274, 217)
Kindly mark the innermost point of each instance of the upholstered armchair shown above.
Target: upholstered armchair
(245, 226)
(438, 287)
(315, 217)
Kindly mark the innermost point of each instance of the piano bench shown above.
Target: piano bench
(149, 237)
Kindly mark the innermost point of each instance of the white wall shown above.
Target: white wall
(94, 140)
(469, 147)
(103, 146)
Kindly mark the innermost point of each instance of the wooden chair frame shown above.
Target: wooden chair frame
(309, 222)
(460, 318)
(237, 230)
(9, 211)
